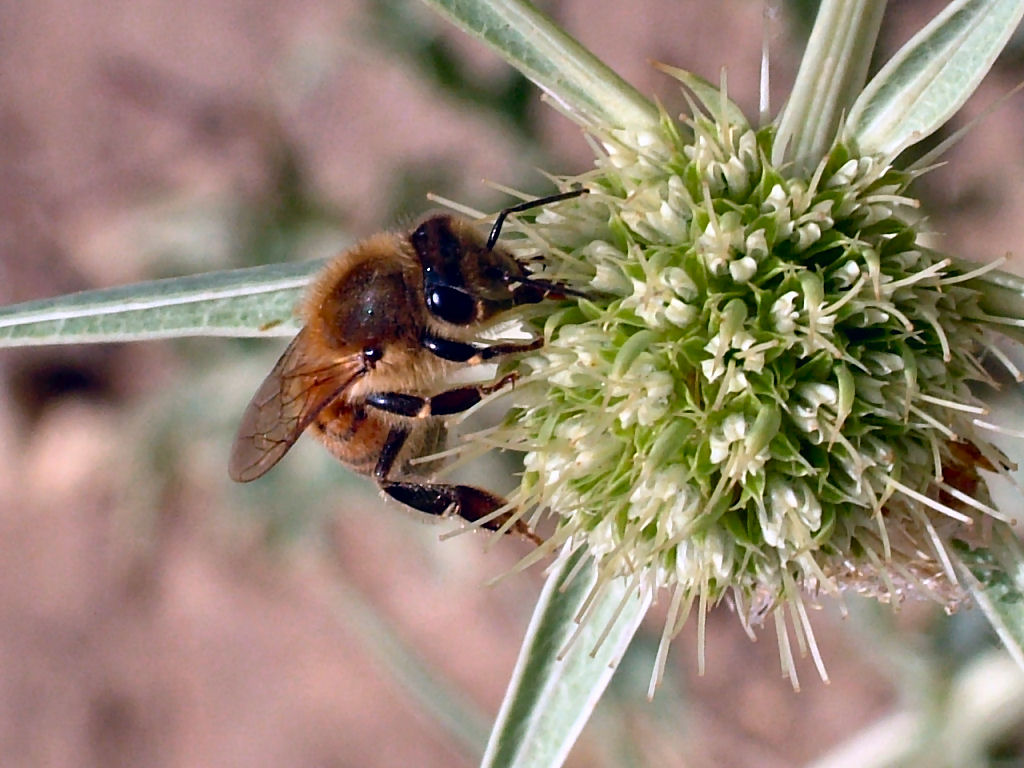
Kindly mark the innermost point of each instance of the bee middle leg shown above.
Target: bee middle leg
(466, 501)
(442, 404)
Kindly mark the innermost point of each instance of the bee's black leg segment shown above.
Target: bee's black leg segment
(392, 447)
(528, 294)
(535, 291)
(442, 404)
(436, 499)
(468, 352)
(467, 502)
(397, 402)
(463, 398)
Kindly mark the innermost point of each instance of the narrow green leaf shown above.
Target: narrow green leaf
(932, 76)
(956, 723)
(258, 301)
(712, 97)
(439, 697)
(995, 577)
(559, 678)
(537, 47)
(832, 72)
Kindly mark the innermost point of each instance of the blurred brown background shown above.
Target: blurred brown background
(152, 614)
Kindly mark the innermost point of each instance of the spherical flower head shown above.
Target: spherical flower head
(764, 392)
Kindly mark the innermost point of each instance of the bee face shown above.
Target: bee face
(385, 324)
(464, 282)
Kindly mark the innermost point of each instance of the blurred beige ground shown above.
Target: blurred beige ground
(144, 619)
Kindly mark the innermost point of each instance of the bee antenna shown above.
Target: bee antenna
(492, 238)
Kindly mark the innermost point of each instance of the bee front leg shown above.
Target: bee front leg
(471, 353)
(469, 503)
(531, 291)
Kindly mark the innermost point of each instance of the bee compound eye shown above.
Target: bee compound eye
(451, 305)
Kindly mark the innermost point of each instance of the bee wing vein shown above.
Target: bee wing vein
(285, 404)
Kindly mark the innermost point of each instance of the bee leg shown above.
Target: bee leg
(442, 404)
(531, 291)
(467, 502)
(471, 353)
(389, 453)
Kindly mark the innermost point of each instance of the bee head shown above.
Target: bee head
(464, 281)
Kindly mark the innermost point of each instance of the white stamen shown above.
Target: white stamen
(785, 651)
(998, 428)
(932, 503)
(973, 502)
(953, 405)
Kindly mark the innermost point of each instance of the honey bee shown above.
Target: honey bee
(386, 324)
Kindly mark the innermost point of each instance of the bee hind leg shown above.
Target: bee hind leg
(469, 503)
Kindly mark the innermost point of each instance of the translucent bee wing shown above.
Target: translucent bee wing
(288, 400)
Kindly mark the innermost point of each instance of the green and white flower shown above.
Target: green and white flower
(769, 391)
(766, 393)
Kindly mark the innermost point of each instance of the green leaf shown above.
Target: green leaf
(712, 97)
(932, 76)
(832, 72)
(559, 678)
(960, 721)
(537, 47)
(258, 301)
(439, 697)
(995, 577)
